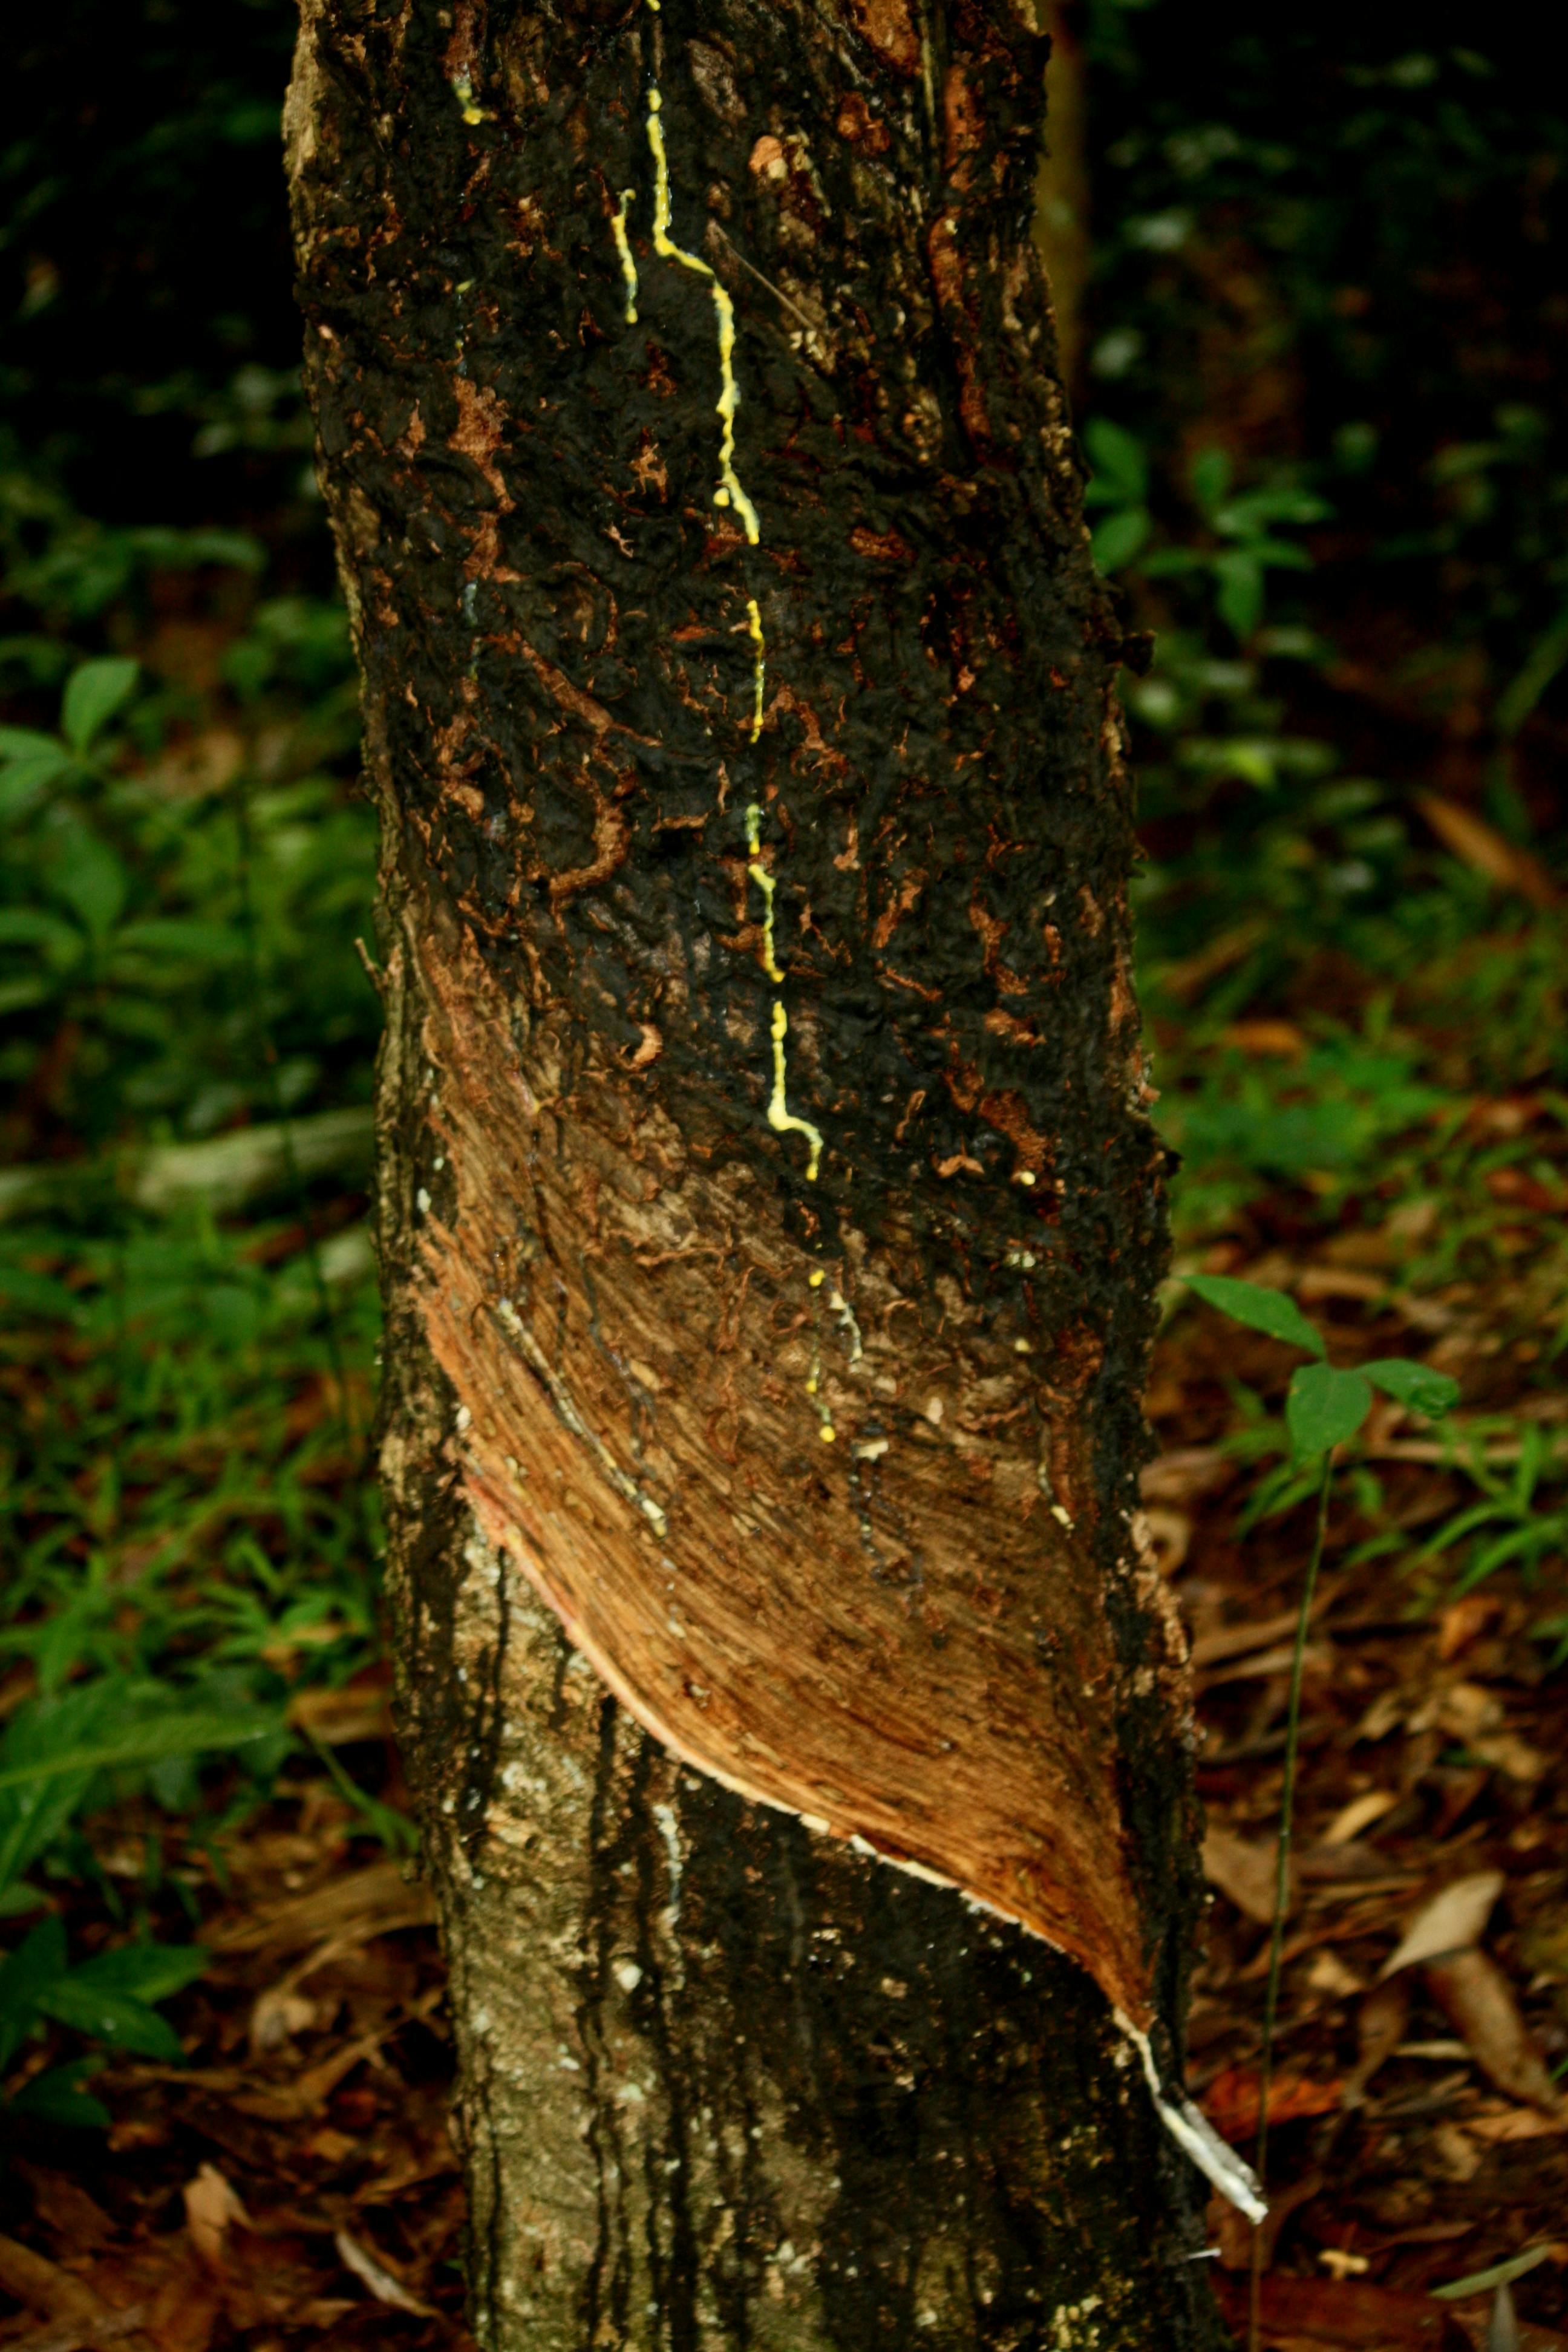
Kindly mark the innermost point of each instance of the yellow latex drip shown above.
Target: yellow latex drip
(759, 664)
(728, 493)
(781, 1118)
(623, 246)
(765, 882)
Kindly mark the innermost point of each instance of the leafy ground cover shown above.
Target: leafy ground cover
(1328, 479)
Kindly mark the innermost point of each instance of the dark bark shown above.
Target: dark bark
(770, 1216)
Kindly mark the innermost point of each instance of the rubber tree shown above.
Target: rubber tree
(770, 1213)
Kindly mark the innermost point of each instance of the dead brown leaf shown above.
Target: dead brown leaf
(1360, 1814)
(1231, 2100)
(1481, 847)
(375, 2274)
(1346, 2312)
(1478, 1998)
(1455, 1918)
(339, 1717)
(375, 1901)
(1245, 1870)
(211, 2206)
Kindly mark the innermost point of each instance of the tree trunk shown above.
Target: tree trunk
(770, 1217)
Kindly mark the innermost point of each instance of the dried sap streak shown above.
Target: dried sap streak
(731, 494)
(781, 1118)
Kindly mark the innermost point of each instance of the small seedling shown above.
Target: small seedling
(1325, 1406)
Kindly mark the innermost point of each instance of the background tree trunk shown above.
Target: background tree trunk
(770, 1217)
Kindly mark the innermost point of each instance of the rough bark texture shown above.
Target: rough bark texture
(771, 1220)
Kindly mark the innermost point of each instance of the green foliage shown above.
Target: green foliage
(1509, 1525)
(54, 1753)
(1261, 1309)
(1325, 1405)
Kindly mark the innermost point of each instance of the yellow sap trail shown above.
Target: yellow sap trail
(765, 882)
(781, 1118)
(623, 246)
(759, 664)
(730, 493)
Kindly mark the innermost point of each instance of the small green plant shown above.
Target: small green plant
(1239, 540)
(52, 1753)
(1510, 1524)
(1326, 1405)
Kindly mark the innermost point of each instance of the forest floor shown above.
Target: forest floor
(293, 2182)
(1368, 1123)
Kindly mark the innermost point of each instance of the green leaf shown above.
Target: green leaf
(16, 1901)
(1546, 657)
(1259, 1310)
(52, 1748)
(92, 879)
(1120, 464)
(25, 1975)
(92, 695)
(1423, 1391)
(142, 1743)
(1210, 477)
(31, 927)
(24, 781)
(27, 743)
(36, 1294)
(144, 1971)
(114, 2017)
(1324, 1406)
(1240, 600)
(180, 935)
(1119, 537)
(1499, 2274)
(58, 2097)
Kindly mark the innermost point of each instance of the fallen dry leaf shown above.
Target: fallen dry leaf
(1454, 1920)
(1329, 1974)
(1484, 850)
(1182, 1475)
(1517, 2122)
(1359, 1814)
(340, 1718)
(1245, 1870)
(1264, 1036)
(1452, 2151)
(375, 1901)
(1464, 1621)
(53, 2293)
(1231, 2101)
(1239, 1641)
(276, 2015)
(211, 2205)
(1477, 1998)
(1512, 1755)
(1347, 2312)
(185, 2313)
(1462, 1711)
(1380, 2029)
(378, 2278)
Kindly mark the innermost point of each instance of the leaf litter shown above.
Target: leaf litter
(1417, 2123)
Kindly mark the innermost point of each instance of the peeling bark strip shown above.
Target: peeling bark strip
(772, 1185)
